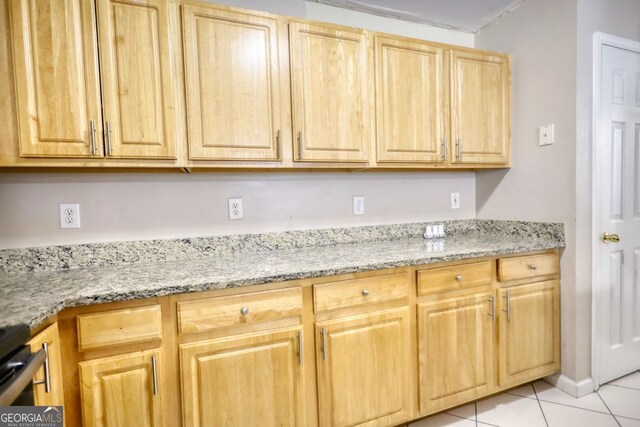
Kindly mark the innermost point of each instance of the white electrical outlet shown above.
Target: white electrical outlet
(455, 200)
(69, 215)
(235, 209)
(358, 205)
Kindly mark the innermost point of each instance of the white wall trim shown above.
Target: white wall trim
(599, 40)
(569, 386)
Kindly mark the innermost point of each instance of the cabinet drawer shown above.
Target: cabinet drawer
(454, 277)
(368, 290)
(206, 314)
(527, 266)
(117, 327)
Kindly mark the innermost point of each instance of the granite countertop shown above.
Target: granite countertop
(32, 297)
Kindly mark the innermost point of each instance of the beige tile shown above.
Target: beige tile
(563, 416)
(631, 381)
(444, 420)
(621, 401)
(628, 422)
(465, 411)
(507, 410)
(548, 393)
(524, 391)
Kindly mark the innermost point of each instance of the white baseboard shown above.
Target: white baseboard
(569, 386)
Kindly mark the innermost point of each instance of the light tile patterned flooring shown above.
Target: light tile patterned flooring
(541, 405)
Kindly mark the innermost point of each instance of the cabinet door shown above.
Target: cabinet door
(122, 390)
(137, 79)
(363, 369)
(48, 394)
(529, 337)
(480, 102)
(248, 380)
(410, 104)
(56, 77)
(232, 84)
(332, 107)
(455, 351)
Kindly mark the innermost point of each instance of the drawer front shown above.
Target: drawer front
(527, 266)
(206, 314)
(117, 327)
(355, 292)
(442, 279)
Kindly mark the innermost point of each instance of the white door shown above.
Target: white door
(617, 211)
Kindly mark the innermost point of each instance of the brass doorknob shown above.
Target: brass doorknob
(610, 238)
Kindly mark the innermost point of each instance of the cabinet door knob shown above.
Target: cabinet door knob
(365, 292)
(533, 267)
(244, 311)
(459, 277)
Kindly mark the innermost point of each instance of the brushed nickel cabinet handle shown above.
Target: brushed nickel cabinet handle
(278, 145)
(459, 149)
(365, 292)
(492, 313)
(244, 311)
(299, 145)
(533, 267)
(154, 368)
(92, 130)
(459, 278)
(299, 347)
(508, 302)
(324, 343)
(47, 372)
(109, 147)
(444, 149)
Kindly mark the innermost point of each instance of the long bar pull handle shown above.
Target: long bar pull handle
(109, 147)
(154, 368)
(299, 145)
(300, 348)
(92, 130)
(508, 301)
(444, 149)
(278, 145)
(458, 149)
(492, 313)
(324, 343)
(47, 372)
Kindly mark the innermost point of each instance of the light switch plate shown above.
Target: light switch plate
(455, 200)
(547, 135)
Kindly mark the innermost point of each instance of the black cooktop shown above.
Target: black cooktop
(12, 338)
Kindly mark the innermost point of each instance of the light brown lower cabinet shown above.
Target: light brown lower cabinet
(247, 380)
(363, 366)
(47, 390)
(124, 390)
(529, 337)
(387, 347)
(455, 351)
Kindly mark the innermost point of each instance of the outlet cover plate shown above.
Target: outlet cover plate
(235, 209)
(69, 215)
(358, 205)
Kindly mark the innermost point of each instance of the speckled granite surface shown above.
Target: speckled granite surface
(32, 297)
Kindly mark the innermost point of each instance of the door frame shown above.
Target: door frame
(599, 41)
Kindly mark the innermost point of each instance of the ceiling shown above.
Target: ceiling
(463, 15)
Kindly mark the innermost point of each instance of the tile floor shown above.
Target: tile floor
(616, 404)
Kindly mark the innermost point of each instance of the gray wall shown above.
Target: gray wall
(142, 206)
(540, 36)
(146, 206)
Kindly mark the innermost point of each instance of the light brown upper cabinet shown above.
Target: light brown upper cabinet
(331, 73)
(233, 84)
(411, 101)
(60, 108)
(480, 105)
(137, 79)
(56, 78)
